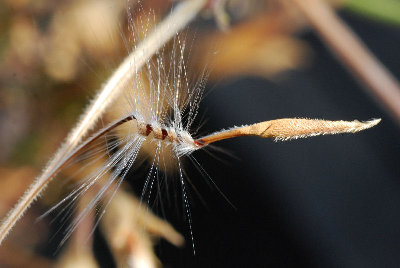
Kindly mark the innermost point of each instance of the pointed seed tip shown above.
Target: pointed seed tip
(374, 122)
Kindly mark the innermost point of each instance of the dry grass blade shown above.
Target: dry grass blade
(177, 20)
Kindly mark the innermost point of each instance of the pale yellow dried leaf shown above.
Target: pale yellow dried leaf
(129, 228)
(260, 47)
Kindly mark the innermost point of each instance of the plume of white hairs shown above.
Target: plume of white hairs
(178, 19)
(174, 132)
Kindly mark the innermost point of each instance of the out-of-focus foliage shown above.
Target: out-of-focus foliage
(383, 10)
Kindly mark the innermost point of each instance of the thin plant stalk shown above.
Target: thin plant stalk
(177, 20)
(353, 53)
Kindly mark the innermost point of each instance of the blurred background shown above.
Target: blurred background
(330, 201)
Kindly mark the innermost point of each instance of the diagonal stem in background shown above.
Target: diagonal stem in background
(353, 53)
(177, 20)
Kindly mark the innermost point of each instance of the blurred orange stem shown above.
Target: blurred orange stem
(353, 53)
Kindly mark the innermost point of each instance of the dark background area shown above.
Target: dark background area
(328, 201)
